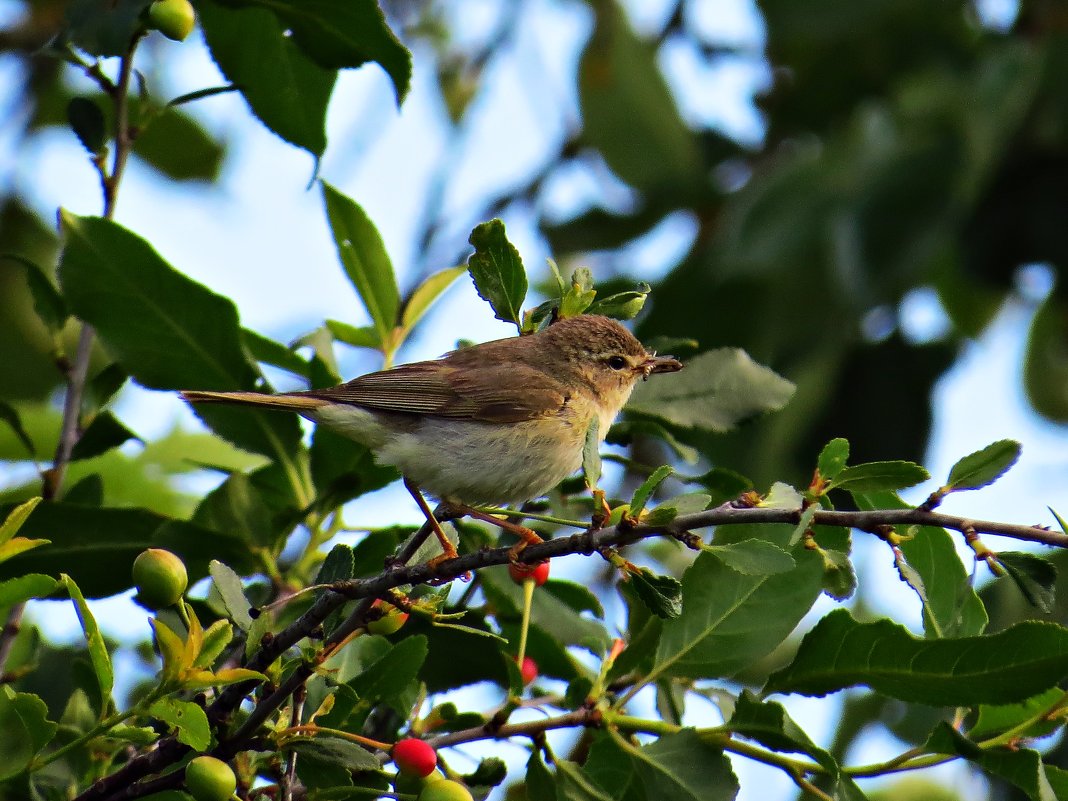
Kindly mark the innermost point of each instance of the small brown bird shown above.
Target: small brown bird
(500, 422)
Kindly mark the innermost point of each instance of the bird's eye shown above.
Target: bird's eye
(617, 362)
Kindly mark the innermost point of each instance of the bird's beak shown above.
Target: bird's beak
(660, 364)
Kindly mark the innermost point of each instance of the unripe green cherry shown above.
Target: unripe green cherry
(159, 577)
(209, 779)
(173, 18)
(446, 790)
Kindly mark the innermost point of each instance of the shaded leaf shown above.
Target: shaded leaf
(993, 720)
(717, 390)
(87, 121)
(103, 434)
(661, 594)
(591, 454)
(10, 415)
(1036, 577)
(177, 145)
(1021, 767)
(335, 751)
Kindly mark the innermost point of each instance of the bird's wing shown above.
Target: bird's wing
(493, 394)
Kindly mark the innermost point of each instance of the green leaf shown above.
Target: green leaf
(833, 458)
(579, 294)
(753, 557)
(366, 263)
(24, 730)
(497, 270)
(767, 723)
(577, 596)
(216, 637)
(240, 508)
(880, 476)
(87, 121)
(729, 619)
(983, 467)
(427, 294)
(103, 434)
(1001, 668)
(573, 784)
(717, 390)
(951, 608)
(623, 305)
(16, 518)
(629, 114)
(540, 785)
(680, 766)
(187, 718)
(98, 650)
(994, 720)
(1021, 767)
(647, 488)
(284, 87)
(335, 751)
(364, 336)
(1036, 577)
(626, 431)
(19, 545)
(662, 595)
(839, 575)
(173, 333)
(339, 564)
(23, 588)
(591, 454)
(232, 592)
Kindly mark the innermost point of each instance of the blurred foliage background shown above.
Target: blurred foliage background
(904, 153)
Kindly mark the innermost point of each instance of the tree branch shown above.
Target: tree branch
(120, 786)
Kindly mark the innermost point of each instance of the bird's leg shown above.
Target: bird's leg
(526, 535)
(446, 546)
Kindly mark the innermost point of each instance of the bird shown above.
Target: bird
(500, 422)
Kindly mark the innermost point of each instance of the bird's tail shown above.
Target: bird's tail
(294, 402)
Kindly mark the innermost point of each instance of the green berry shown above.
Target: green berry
(446, 790)
(173, 18)
(159, 577)
(209, 779)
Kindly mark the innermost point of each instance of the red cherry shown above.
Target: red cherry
(520, 572)
(528, 670)
(414, 757)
